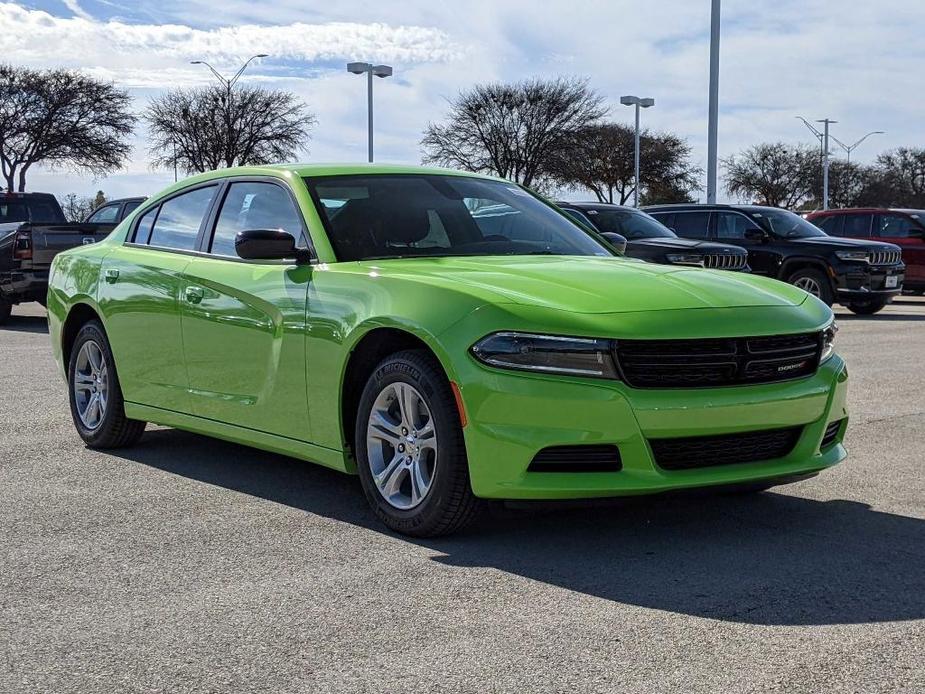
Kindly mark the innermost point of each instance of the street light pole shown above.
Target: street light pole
(713, 126)
(850, 148)
(823, 138)
(638, 103)
(370, 70)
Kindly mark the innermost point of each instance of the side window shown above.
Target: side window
(177, 225)
(894, 226)
(129, 207)
(145, 224)
(692, 225)
(107, 214)
(666, 218)
(830, 224)
(731, 225)
(858, 225)
(254, 205)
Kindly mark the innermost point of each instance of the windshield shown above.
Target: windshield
(788, 225)
(629, 223)
(412, 215)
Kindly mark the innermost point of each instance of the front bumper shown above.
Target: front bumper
(859, 281)
(512, 416)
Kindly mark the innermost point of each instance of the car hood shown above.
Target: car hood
(589, 284)
(839, 242)
(686, 245)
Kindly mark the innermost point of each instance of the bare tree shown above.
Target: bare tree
(511, 130)
(76, 208)
(60, 118)
(202, 129)
(600, 157)
(772, 173)
(898, 178)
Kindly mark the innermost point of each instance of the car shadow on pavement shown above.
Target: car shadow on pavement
(771, 558)
(889, 317)
(26, 324)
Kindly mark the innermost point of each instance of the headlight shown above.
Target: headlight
(828, 340)
(573, 356)
(685, 258)
(852, 255)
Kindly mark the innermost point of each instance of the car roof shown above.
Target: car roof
(864, 210)
(595, 205)
(707, 207)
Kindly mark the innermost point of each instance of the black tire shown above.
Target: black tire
(6, 308)
(826, 293)
(449, 504)
(114, 430)
(868, 308)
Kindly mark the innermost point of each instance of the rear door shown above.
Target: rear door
(140, 295)
(909, 235)
(244, 321)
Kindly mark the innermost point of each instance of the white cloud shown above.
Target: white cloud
(855, 62)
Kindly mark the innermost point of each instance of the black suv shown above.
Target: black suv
(862, 275)
(649, 239)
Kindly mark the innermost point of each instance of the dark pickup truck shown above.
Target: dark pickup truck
(33, 230)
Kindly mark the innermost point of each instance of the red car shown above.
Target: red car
(905, 228)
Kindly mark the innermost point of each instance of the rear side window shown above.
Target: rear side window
(129, 207)
(145, 224)
(895, 226)
(177, 225)
(858, 225)
(252, 205)
(692, 225)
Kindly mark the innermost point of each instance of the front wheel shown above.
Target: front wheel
(411, 456)
(97, 406)
(814, 282)
(868, 308)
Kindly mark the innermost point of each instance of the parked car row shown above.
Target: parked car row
(33, 229)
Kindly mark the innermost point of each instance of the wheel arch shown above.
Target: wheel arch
(370, 347)
(791, 265)
(78, 315)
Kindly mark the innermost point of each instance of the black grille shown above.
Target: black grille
(718, 362)
(831, 433)
(725, 449)
(591, 458)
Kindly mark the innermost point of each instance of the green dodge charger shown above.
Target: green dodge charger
(448, 337)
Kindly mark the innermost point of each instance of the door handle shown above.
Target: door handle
(111, 275)
(194, 294)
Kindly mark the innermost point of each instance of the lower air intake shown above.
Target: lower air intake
(831, 433)
(726, 449)
(590, 458)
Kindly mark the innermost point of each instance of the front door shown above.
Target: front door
(244, 321)
(731, 227)
(140, 294)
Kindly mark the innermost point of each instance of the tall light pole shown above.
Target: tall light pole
(713, 127)
(370, 70)
(638, 102)
(229, 83)
(823, 138)
(850, 148)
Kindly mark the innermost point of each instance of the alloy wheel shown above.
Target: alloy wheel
(809, 285)
(401, 445)
(91, 384)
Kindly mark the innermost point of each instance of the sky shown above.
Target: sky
(859, 63)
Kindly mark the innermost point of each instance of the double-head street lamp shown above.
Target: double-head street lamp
(638, 102)
(229, 83)
(370, 70)
(850, 148)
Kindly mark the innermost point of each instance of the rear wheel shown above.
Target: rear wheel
(97, 407)
(867, 308)
(6, 308)
(411, 456)
(814, 282)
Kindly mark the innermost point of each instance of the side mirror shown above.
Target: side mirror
(269, 244)
(755, 234)
(618, 241)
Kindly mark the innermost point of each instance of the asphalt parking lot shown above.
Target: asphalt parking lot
(187, 564)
